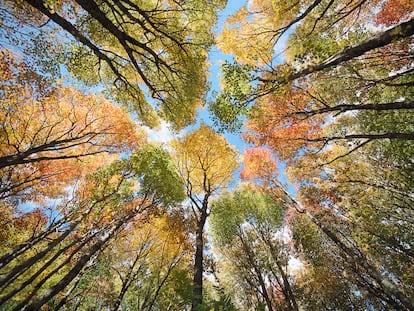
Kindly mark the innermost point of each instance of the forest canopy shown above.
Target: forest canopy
(314, 212)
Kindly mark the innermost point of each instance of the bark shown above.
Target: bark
(93, 9)
(383, 284)
(198, 260)
(282, 30)
(350, 107)
(66, 220)
(290, 296)
(76, 282)
(34, 290)
(402, 136)
(401, 31)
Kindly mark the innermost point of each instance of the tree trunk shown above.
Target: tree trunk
(30, 243)
(391, 291)
(406, 104)
(198, 260)
(19, 269)
(401, 31)
(258, 273)
(42, 269)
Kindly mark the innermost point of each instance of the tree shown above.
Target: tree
(246, 224)
(338, 110)
(328, 36)
(322, 207)
(131, 47)
(51, 135)
(60, 253)
(206, 163)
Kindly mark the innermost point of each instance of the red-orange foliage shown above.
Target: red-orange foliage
(52, 135)
(276, 123)
(394, 11)
(258, 163)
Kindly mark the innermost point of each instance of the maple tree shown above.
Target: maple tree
(51, 135)
(206, 163)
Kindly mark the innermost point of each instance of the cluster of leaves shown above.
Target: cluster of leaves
(134, 49)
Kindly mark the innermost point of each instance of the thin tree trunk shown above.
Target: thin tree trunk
(383, 283)
(23, 247)
(76, 282)
(43, 268)
(290, 297)
(258, 274)
(161, 284)
(352, 107)
(126, 282)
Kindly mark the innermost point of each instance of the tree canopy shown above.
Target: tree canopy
(315, 213)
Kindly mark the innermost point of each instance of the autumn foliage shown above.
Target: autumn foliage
(94, 216)
(50, 132)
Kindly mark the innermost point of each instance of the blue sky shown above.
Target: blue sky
(216, 58)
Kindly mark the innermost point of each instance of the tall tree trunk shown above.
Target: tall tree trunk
(19, 269)
(198, 260)
(127, 281)
(30, 243)
(163, 281)
(398, 32)
(287, 289)
(32, 278)
(290, 296)
(390, 290)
